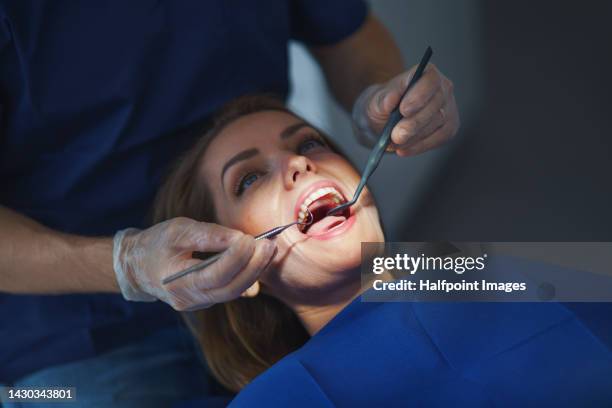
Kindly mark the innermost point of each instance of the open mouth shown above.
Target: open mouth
(319, 202)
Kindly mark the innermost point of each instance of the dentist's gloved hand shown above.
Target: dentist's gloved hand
(430, 112)
(143, 258)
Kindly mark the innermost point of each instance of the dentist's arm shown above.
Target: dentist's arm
(37, 260)
(367, 77)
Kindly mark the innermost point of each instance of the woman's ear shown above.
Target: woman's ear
(252, 291)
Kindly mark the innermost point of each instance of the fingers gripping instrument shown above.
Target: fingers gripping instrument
(209, 261)
(381, 146)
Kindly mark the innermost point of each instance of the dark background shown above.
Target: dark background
(536, 165)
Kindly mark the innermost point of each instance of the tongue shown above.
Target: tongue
(325, 224)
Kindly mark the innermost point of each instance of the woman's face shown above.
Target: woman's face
(263, 170)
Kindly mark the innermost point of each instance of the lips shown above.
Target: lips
(319, 198)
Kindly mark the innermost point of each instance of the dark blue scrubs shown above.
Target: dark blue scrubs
(447, 355)
(93, 98)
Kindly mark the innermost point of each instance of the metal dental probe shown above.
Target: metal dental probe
(209, 261)
(381, 146)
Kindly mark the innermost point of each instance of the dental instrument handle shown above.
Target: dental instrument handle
(383, 142)
(275, 231)
(381, 146)
(197, 267)
(209, 261)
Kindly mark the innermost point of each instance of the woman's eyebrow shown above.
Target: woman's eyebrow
(247, 154)
(243, 155)
(292, 129)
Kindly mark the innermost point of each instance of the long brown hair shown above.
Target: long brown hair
(242, 338)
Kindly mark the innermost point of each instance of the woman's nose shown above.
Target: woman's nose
(297, 167)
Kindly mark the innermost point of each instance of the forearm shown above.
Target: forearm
(366, 57)
(36, 259)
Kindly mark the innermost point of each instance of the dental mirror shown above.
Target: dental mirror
(209, 261)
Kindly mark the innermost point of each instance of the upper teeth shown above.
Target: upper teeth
(315, 195)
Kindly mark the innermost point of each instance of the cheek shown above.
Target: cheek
(255, 212)
(247, 222)
(253, 217)
(339, 168)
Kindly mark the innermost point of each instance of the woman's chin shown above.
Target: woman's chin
(338, 253)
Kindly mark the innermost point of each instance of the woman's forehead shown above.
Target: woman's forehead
(252, 129)
(261, 124)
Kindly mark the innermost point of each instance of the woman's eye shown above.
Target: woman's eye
(246, 182)
(309, 144)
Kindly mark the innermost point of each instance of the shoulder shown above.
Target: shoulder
(287, 383)
(325, 22)
(469, 332)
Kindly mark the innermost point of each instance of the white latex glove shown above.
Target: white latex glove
(143, 258)
(430, 113)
